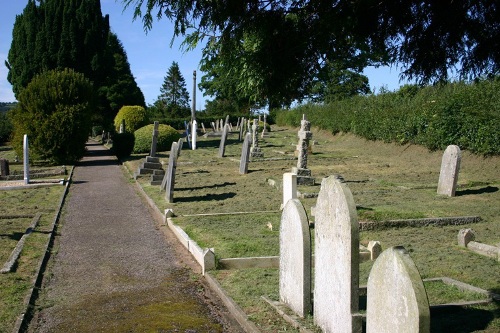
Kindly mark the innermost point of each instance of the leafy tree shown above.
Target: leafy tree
(58, 34)
(54, 110)
(135, 117)
(174, 97)
(276, 48)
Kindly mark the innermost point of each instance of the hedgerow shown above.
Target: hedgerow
(144, 138)
(467, 115)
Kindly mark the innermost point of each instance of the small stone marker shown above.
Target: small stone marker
(450, 166)
(396, 297)
(154, 141)
(336, 280)
(4, 167)
(255, 151)
(194, 133)
(212, 124)
(375, 249)
(26, 158)
(179, 146)
(245, 154)
(303, 173)
(295, 258)
(169, 179)
(242, 129)
(222, 145)
(289, 187)
(465, 236)
(203, 127)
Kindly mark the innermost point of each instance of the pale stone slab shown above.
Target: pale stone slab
(245, 154)
(397, 301)
(193, 134)
(289, 187)
(26, 158)
(336, 281)
(295, 258)
(450, 166)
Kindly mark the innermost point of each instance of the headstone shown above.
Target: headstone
(245, 154)
(289, 187)
(336, 250)
(194, 133)
(264, 130)
(396, 297)
(212, 124)
(26, 158)
(4, 167)
(375, 249)
(227, 120)
(122, 126)
(188, 133)
(238, 124)
(242, 129)
(303, 173)
(222, 145)
(203, 127)
(169, 179)
(295, 258)
(255, 151)
(450, 166)
(221, 124)
(154, 142)
(465, 236)
(179, 146)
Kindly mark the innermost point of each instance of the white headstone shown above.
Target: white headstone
(295, 258)
(396, 297)
(289, 187)
(336, 280)
(26, 162)
(450, 166)
(194, 133)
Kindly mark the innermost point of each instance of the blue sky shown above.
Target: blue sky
(149, 55)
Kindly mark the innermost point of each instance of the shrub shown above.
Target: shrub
(123, 144)
(5, 127)
(54, 110)
(144, 136)
(135, 117)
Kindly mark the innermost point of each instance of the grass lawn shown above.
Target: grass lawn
(388, 181)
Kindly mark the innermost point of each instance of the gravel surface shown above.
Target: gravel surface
(114, 270)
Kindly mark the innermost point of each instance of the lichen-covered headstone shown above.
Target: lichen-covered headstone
(245, 154)
(336, 251)
(396, 297)
(450, 167)
(295, 258)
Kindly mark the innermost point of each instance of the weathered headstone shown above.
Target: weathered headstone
(169, 179)
(264, 129)
(203, 127)
(336, 281)
(212, 124)
(303, 173)
(295, 258)
(375, 249)
(227, 120)
(245, 154)
(242, 129)
(450, 166)
(179, 146)
(194, 133)
(222, 145)
(289, 187)
(26, 160)
(255, 151)
(188, 133)
(396, 297)
(465, 236)
(4, 167)
(154, 141)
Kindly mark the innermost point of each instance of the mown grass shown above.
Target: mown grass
(15, 286)
(388, 181)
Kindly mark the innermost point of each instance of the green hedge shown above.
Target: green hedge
(144, 137)
(135, 117)
(467, 115)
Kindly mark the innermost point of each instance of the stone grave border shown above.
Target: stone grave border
(29, 299)
(16, 185)
(16, 252)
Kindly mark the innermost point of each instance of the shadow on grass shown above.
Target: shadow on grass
(14, 236)
(204, 187)
(208, 197)
(460, 319)
(487, 189)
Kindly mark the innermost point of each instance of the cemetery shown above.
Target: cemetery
(234, 218)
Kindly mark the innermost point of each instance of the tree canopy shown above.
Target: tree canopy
(276, 49)
(58, 34)
(174, 97)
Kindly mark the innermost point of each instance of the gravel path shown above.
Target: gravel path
(114, 270)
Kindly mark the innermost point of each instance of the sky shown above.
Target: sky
(149, 54)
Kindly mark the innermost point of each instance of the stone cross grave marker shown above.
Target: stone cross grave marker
(154, 141)
(169, 179)
(289, 187)
(295, 258)
(303, 173)
(245, 154)
(26, 160)
(255, 151)
(396, 297)
(222, 145)
(450, 166)
(336, 281)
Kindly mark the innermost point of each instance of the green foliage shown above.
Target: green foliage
(144, 135)
(5, 127)
(467, 115)
(173, 101)
(55, 111)
(135, 117)
(123, 144)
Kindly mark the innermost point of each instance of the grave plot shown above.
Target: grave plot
(11, 231)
